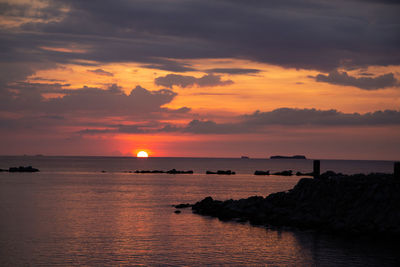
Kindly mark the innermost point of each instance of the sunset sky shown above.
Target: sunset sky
(201, 78)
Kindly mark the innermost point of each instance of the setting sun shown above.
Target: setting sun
(142, 154)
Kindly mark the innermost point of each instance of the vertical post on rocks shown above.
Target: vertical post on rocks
(316, 168)
(396, 172)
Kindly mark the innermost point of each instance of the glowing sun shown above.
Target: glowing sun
(142, 154)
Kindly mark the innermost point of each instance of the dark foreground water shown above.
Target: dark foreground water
(72, 214)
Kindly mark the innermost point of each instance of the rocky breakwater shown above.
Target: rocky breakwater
(356, 204)
(20, 169)
(173, 171)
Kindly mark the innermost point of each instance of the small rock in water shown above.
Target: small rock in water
(174, 171)
(22, 169)
(177, 211)
(182, 206)
(284, 173)
(261, 173)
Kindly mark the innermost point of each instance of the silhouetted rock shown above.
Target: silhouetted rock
(157, 171)
(304, 174)
(173, 171)
(146, 171)
(177, 211)
(329, 174)
(221, 172)
(228, 172)
(284, 173)
(357, 204)
(261, 173)
(22, 169)
(182, 206)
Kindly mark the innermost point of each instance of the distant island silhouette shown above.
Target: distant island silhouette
(289, 157)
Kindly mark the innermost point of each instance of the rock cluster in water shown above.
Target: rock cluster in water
(221, 172)
(283, 173)
(354, 204)
(173, 171)
(261, 173)
(183, 206)
(20, 169)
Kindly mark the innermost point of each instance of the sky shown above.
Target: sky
(201, 78)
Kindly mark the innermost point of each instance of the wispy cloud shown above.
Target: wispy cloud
(101, 72)
(234, 71)
(171, 80)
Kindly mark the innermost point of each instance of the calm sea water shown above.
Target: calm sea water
(71, 213)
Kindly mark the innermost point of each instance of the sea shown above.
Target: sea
(95, 211)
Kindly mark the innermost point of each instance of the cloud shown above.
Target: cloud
(188, 81)
(294, 117)
(94, 131)
(46, 80)
(90, 101)
(211, 127)
(84, 111)
(366, 74)
(365, 83)
(101, 72)
(308, 34)
(130, 129)
(233, 71)
(112, 101)
(260, 122)
(28, 123)
(38, 88)
(169, 65)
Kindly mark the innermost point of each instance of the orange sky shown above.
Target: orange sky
(78, 79)
(272, 88)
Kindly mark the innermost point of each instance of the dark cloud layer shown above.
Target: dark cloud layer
(366, 83)
(183, 81)
(92, 102)
(311, 34)
(289, 116)
(261, 121)
(168, 65)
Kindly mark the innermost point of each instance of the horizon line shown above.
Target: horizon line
(180, 157)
